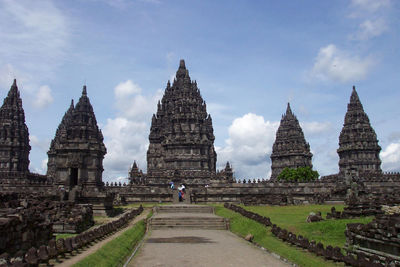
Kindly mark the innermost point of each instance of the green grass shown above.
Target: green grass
(58, 236)
(293, 218)
(263, 236)
(115, 252)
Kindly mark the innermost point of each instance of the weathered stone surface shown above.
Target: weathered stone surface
(379, 238)
(14, 135)
(358, 145)
(181, 136)
(76, 153)
(290, 148)
(249, 237)
(312, 217)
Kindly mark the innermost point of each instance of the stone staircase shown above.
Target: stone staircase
(187, 217)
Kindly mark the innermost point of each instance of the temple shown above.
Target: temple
(76, 153)
(181, 135)
(358, 145)
(14, 136)
(290, 149)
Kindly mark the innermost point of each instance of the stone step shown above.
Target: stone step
(188, 219)
(185, 209)
(189, 222)
(202, 227)
(186, 223)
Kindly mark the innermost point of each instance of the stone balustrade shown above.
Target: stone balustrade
(55, 249)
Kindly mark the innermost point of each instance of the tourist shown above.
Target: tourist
(180, 196)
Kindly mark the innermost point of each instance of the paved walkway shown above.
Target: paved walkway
(176, 247)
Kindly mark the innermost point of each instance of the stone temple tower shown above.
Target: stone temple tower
(76, 153)
(14, 136)
(358, 146)
(181, 137)
(290, 148)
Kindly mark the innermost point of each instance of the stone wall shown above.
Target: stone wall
(27, 220)
(380, 238)
(21, 227)
(55, 250)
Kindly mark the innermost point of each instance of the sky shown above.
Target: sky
(249, 58)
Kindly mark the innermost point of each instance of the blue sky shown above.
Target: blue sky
(249, 58)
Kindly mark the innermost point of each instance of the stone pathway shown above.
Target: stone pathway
(181, 247)
(175, 245)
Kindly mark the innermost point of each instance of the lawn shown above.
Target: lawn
(263, 236)
(115, 252)
(293, 218)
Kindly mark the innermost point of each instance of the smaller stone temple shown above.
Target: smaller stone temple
(14, 136)
(77, 151)
(290, 148)
(358, 145)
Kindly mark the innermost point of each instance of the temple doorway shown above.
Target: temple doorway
(73, 178)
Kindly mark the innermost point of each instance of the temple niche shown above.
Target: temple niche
(181, 135)
(76, 153)
(358, 145)
(14, 136)
(290, 149)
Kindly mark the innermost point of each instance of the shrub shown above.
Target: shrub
(300, 174)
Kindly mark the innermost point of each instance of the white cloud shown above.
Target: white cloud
(369, 5)
(374, 18)
(248, 146)
(43, 97)
(391, 157)
(315, 128)
(126, 136)
(338, 65)
(126, 141)
(125, 89)
(370, 29)
(134, 105)
(34, 34)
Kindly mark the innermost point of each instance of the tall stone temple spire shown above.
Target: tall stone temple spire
(290, 148)
(181, 135)
(76, 153)
(358, 145)
(14, 135)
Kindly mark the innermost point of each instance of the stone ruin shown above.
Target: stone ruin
(290, 149)
(182, 150)
(181, 137)
(77, 151)
(358, 145)
(14, 136)
(27, 221)
(52, 252)
(378, 239)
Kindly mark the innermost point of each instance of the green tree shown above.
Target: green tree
(300, 174)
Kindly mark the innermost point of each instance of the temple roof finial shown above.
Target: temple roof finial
(182, 64)
(84, 92)
(15, 82)
(288, 109)
(354, 99)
